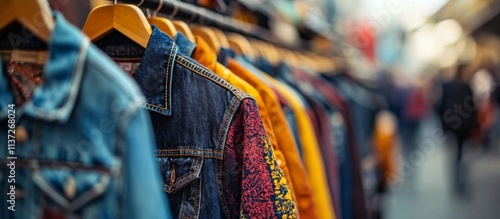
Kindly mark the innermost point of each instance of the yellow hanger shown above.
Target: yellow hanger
(182, 27)
(35, 15)
(162, 23)
(241, 45)
(209, 36)
(126, 19)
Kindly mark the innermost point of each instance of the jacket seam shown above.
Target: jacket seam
(202, 71)
(167, 87)
(186, 179)
(223, 131)
(189, 152)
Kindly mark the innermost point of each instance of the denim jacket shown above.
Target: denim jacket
(87, 149)
(212, 148)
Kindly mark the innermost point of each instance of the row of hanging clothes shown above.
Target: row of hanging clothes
(140, 116)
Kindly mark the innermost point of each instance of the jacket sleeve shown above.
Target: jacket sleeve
(143, 196)
(254, 185)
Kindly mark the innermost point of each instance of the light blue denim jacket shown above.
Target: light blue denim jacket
(90, 148)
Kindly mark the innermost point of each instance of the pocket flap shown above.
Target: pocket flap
(71, 189)
(179, 171)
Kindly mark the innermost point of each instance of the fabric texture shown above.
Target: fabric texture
(285, 138)
(88, 149)
(192, 110)
(312, 156)
(255, 168)
(208, 59)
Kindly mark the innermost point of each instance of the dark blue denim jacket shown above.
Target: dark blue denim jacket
(191, 109)
(89, 149)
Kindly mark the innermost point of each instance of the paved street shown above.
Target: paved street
(428, 192)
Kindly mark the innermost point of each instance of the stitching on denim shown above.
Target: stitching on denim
(167, 78)
(197, 198)
(78, 202)
(94, 192)
(182, 203)
(187, 149)
(226, 123)
(186, 179)
(211, 77)
(220, 188)
(216, 155)
(190, 155)
(75, 82)
(156, 106)
(201, 70)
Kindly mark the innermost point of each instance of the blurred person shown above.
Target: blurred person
(407, 103)
(386, 148)
(483, 86)
(386, 145)
(415, 109)
(458, 113)
(487, 78)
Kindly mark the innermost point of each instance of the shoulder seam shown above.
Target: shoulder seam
(206, 73)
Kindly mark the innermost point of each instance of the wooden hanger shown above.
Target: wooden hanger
(35, 15)
(162, 23)
(40, 25)
(221, 36)
(209, 36)
(260, 48)
(126, 19)
(182, 27)
(289, 58)
(254, 44)
(241, 45)
(275, 56)
(270, 52)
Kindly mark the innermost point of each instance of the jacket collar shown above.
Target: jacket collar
(186, 47)
(154, 75)
(55, 99)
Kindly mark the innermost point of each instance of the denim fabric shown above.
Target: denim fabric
(185, 46)
(89, 151)
(191, 109)
(224, 55)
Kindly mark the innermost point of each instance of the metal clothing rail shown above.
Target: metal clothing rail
(202, 16)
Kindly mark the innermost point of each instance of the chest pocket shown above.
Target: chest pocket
(182, 182)
(71, 189)
(179, 171)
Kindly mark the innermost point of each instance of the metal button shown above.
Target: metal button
(21, 134)
(172, 174)
(70, 187)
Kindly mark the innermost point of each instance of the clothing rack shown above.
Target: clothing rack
(194, 14)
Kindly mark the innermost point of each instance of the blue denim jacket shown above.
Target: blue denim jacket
(191, 109)
(90, 150)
